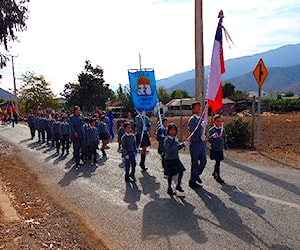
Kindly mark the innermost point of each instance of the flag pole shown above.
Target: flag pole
(199, 63)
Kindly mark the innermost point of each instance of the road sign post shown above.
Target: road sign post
(260, 73)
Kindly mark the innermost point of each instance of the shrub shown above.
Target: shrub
(238, 133)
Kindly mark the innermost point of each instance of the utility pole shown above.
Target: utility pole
(14, 81)
(14, 76)
(199, 62)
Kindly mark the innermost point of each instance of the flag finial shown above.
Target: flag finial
(221, 14)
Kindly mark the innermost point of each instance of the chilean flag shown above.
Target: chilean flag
(217, 68)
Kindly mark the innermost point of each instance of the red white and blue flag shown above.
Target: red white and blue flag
(217, 68)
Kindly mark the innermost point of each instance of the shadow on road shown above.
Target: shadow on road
(283, 184)
(167, 217)
(228, 218)
(149, 185)
(85, 170)
(132, 195)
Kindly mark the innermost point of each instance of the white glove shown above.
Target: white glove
(126, 157)
(204, 123)
(203, 137)
(185, 143)
(226, 153)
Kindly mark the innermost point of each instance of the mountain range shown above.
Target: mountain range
(283, 65)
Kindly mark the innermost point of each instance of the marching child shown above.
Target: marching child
(92, 140)
(103, 131)
(121, 132)
(65, 134)
(218, 139)
(160, 136)
(129, 152)
(172, 163)
(56, 132)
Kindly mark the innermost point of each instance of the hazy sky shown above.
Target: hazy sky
(62, 34)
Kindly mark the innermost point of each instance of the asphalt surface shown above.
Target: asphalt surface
(257, 208)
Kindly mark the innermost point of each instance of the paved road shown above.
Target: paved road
(258, 208)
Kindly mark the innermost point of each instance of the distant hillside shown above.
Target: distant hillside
(286, 56)
(279, 79)
(283, 79)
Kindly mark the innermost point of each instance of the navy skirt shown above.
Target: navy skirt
(145, 140)
(216, 155)
(173, 167)
(103, 136)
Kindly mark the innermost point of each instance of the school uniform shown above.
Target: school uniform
(197, 150)
(218, 139)
(218, 144)
(129, 152)
(65, 136)
(121, 132)
(103, 131)
(92, 140)
(56, 134)
(143, 127)
(172, 163)
(49, 133)
(42, 128)
(31, 124)
(160, 136)
(76, 125)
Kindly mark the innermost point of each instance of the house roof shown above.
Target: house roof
(5, 95)
(227, 101)
(190, 101)
(177, 102)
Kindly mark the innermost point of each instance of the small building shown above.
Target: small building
(228, 107)
(163, 110)
(182, 106)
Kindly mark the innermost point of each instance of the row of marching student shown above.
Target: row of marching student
(133, 134)
(169, 147)
(58, 130)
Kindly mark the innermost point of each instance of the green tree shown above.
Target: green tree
(124, 99)
(35, 93)
(163, 95)
(179, 93)
(90, 91)
(13, 14)
(238, 95)
(228, 89)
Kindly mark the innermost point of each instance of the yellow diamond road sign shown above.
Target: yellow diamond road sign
(260, 72)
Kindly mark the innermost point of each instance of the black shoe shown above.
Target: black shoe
(170, 191)
(219, 180)
(179, 188)
(199, 180)
(82, 158)
(193, 184)
(143, 167)
(132, 178)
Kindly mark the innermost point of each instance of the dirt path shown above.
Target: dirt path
(37, 220)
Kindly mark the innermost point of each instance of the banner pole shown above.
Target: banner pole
(140, 61)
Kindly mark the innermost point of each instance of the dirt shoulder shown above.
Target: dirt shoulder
(43, 222)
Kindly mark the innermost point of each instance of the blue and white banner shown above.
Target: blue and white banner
(143, 89)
